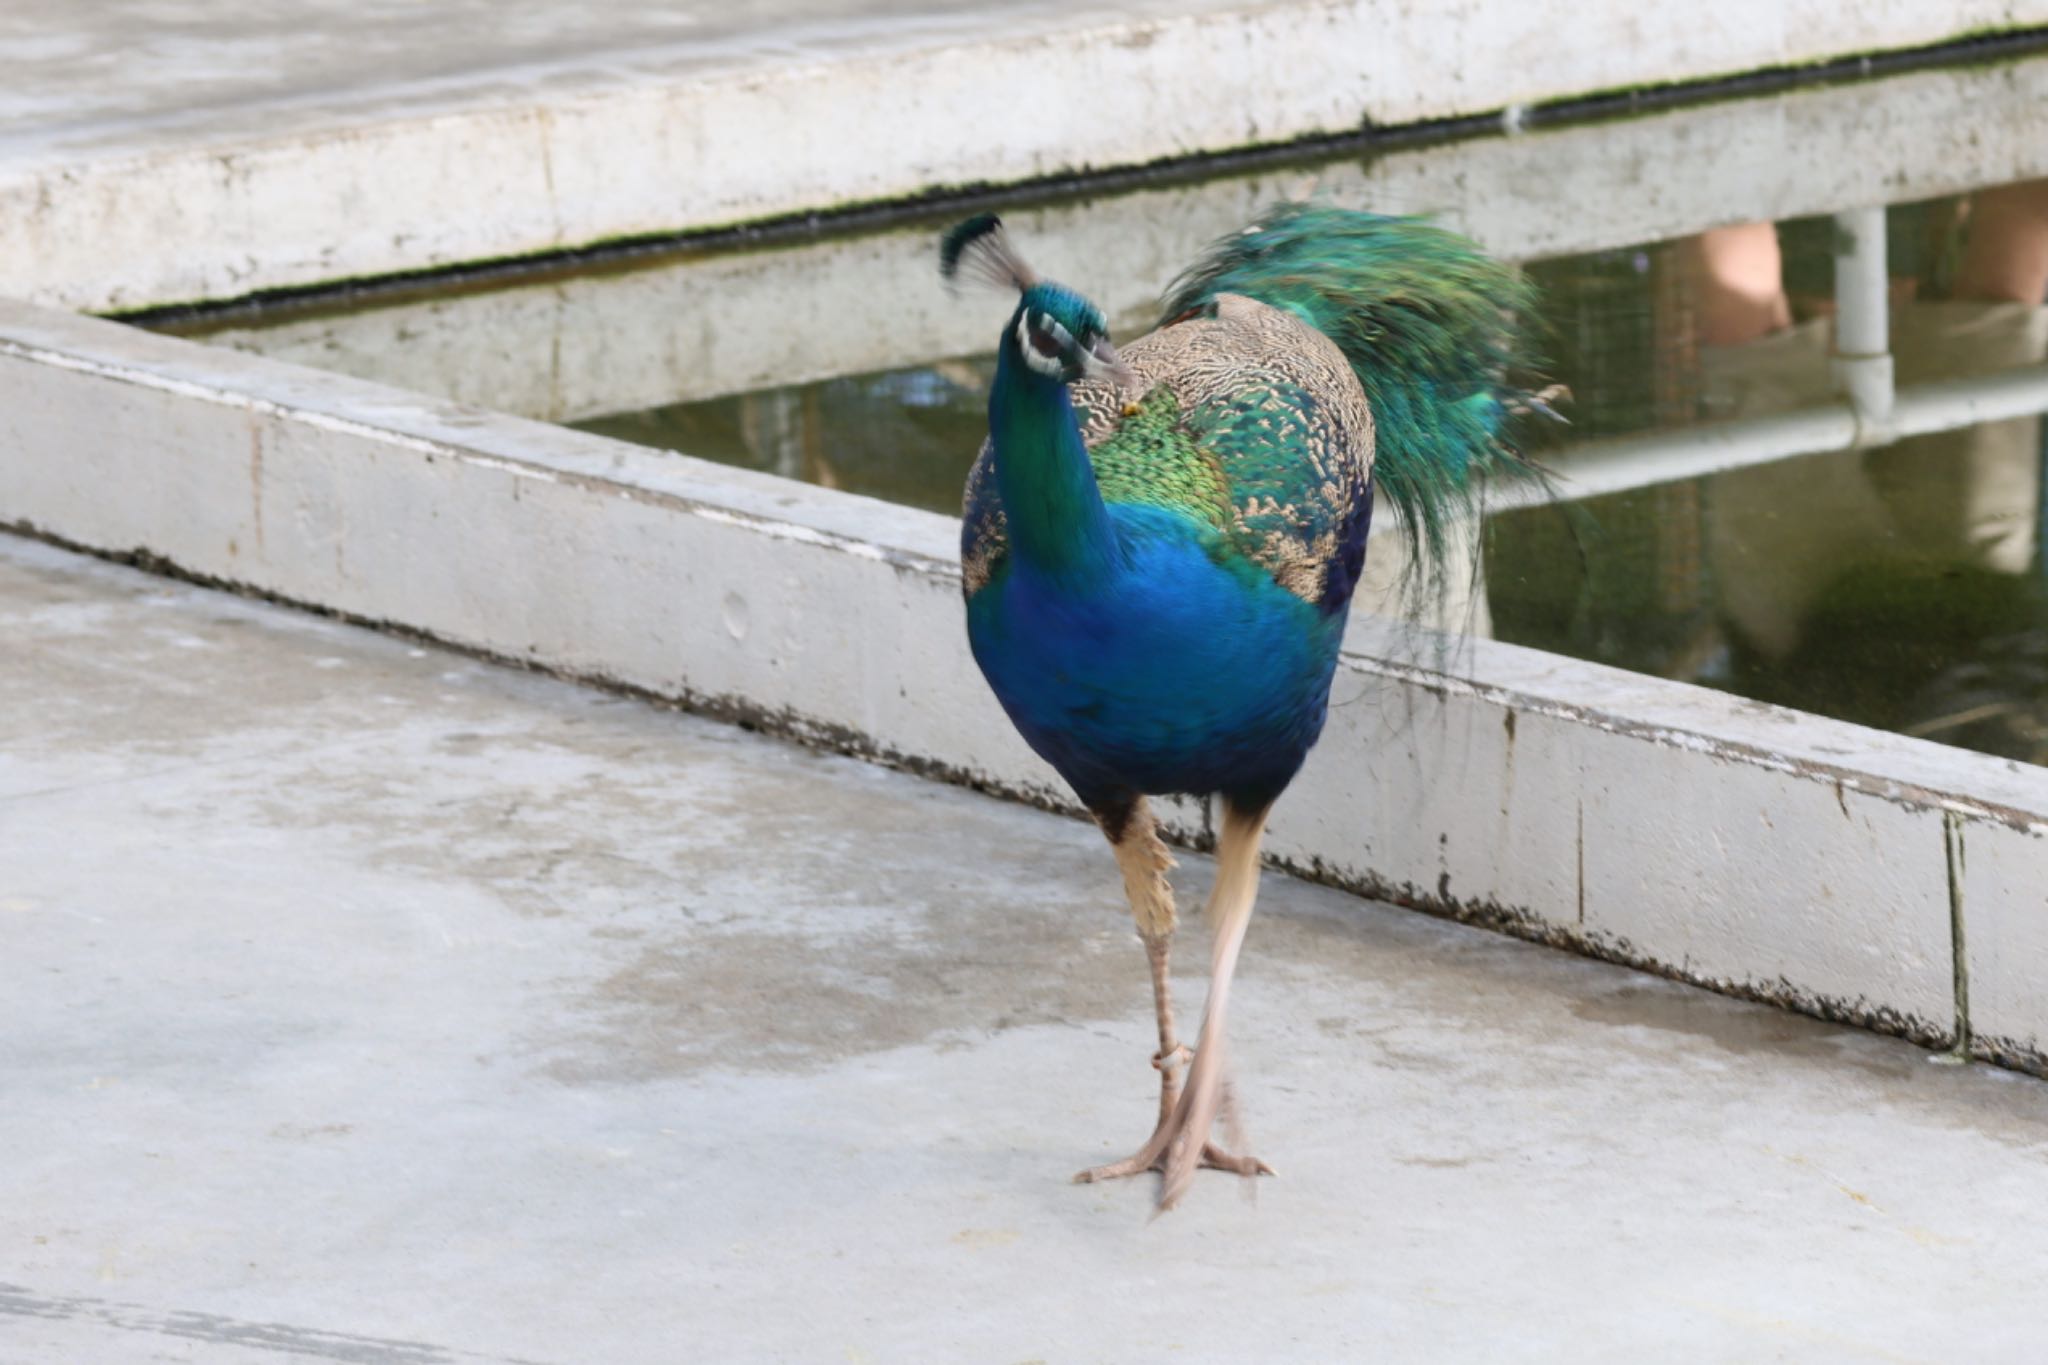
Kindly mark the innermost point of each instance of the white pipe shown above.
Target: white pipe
(1862, 361)
(1862, 312)
(1636, 461)
(1953, 403)
(1599, 467)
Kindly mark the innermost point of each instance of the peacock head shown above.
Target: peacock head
(1054, 332)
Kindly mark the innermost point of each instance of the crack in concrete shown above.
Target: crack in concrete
(1952, 848)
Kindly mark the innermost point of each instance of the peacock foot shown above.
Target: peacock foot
(1153, 1157)
(1167, 1147)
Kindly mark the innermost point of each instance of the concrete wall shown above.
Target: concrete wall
(1728, 843)
(122, 210)
(700, 326)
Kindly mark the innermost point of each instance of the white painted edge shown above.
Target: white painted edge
(1748, 848)
(600, 342)
(154, 218)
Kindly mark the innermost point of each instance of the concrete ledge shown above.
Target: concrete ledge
(111, 212)
(563, 349)
(1742, 847)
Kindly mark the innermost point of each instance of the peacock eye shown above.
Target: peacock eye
(1043, 344)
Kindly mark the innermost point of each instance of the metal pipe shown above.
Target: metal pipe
(1615, 466)
(1862, 361)
(1952, 403)
(1862, 304)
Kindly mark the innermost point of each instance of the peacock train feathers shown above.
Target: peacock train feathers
(1428, 324)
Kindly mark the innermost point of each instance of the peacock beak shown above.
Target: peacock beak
(1102, 362)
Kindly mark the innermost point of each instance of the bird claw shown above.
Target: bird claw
(1166, 1149)
(1213, 1158)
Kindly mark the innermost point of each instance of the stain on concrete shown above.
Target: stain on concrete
(217, 1330)
(749, 999)
(1941, 1096)
(1742, 1032)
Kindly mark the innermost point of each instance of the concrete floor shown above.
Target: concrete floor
(367, 1003)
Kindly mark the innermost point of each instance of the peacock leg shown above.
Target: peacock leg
(1230, 913)
(1144, 859)
(1172, 1055)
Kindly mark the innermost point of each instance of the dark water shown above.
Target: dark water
(1900, 587)
(905, 435)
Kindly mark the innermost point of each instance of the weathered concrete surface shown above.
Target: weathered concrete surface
(366, 1003)
(1747, 847)
(158, 151)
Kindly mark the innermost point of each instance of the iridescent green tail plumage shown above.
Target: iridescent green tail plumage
(1427, 321)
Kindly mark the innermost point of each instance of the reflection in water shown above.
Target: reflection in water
(1899, 587)
(906, 436)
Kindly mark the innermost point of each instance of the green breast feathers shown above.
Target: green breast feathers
(1250, 421)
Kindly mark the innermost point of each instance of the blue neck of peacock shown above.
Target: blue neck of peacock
(1057, 523)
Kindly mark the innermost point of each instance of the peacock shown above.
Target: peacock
(1160, 544)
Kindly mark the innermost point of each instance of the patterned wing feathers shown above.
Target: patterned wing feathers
(1251, 421)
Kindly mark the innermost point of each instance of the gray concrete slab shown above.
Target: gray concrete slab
(364, 1002)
